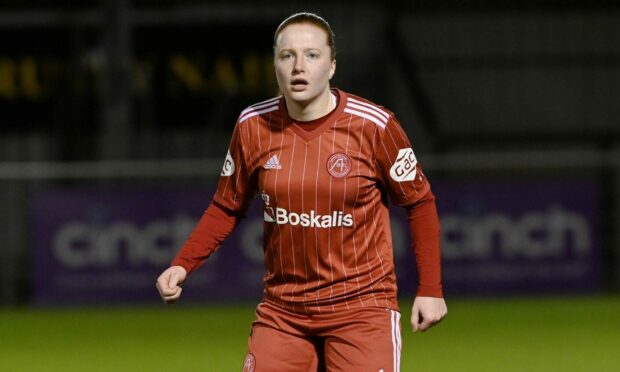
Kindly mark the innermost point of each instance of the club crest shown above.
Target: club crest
(339, 165)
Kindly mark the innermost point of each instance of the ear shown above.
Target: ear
(332, 69)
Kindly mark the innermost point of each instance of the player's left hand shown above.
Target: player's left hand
(426, 312)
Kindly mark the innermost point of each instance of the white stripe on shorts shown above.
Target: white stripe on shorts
(396, 341)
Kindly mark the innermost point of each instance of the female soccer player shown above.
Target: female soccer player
(324, 163)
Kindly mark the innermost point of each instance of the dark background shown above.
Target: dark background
(110, 92)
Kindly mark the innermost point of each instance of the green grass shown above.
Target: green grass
(581, 334)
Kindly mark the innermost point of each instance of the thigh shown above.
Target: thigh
(369, 340)
(270, 349)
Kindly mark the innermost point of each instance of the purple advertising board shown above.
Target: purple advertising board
(520, 237)
(109, 244)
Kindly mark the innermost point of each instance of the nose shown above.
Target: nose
(299, 66)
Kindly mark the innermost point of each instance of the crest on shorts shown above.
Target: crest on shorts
(249, 363)
(339, 165)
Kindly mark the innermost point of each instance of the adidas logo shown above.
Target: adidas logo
(273, 163)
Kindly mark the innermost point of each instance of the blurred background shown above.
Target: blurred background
(116, 116)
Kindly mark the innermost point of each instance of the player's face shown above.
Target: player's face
(303, 63)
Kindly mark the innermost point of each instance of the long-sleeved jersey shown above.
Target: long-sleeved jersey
(327, 239)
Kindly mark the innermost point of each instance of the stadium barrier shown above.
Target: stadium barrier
(100, 232)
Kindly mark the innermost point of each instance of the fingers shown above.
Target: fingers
(415, 319)
(429, 321)
(168, 285)
(422, 322)
(173, 280)
(426, 312)
(173, 298)
(168, 295)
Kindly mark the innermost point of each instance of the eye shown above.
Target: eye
(313, 55)
(286, 56)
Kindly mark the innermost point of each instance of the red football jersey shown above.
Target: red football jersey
(327, 237)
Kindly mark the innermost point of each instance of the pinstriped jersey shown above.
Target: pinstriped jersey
(327, 240)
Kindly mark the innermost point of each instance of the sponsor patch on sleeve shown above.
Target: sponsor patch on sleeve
(404, 168)
(229, 165)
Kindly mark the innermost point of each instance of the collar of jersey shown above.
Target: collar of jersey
(321, 124)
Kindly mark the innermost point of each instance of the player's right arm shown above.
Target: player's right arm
(212, 229)
(169, 283)
(230, 201)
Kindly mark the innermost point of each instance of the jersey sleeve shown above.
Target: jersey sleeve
(212, 229)
(425, 239)
(400, 172)
(236, 186)
(408, 187)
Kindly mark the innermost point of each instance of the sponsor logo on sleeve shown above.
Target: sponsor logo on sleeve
(229, 166)
(404, 168)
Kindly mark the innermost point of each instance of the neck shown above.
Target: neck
(307, 111)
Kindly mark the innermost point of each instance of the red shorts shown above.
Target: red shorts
(366, 339)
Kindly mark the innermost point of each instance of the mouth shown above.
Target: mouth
(299, 84)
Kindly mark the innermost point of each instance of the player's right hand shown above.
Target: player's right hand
(169, 283)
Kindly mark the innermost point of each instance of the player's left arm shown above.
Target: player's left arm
(426, 312)
(425, 238)
(408, 187)
(429, 307)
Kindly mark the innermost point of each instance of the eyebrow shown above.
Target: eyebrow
(305, 50)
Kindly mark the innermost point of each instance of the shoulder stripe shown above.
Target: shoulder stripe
(374, 119)
(373, 107)
(253, 112)
(260, 105)
(366, 109)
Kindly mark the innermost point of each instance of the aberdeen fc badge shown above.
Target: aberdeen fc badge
(249, 363)
(339, 165)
